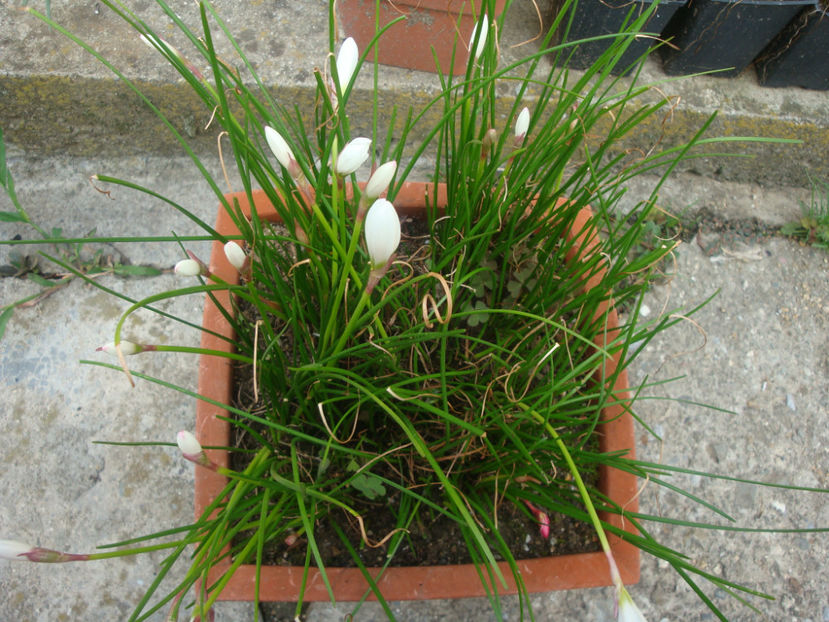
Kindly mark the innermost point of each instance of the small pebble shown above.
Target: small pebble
(790, 402)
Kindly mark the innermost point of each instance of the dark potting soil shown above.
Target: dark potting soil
(432, 539)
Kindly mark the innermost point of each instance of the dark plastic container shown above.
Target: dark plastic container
(798, 56)
(602, 17)
(724, 35)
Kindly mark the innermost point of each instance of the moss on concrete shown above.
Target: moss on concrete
(85, 117)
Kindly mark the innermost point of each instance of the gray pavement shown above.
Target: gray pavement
(765, 336)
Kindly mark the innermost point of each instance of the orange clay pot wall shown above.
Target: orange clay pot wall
(428, 25)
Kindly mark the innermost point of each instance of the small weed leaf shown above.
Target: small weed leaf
(369, 485)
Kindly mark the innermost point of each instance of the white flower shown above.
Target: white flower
(522, 123)
(127, 348)
(235, 255)
(280, 149)
(188, 267)
(380, 179)
(188, 444)
(347, 61)
(382, 232)
(627, 610)
(483, 26)
(352, 156)
(13, 550)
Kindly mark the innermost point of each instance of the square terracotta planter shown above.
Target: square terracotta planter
(281, 583)
(428, 24)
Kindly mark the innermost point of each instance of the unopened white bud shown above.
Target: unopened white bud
(353, 155)
(382, 232)
(279, 147)
(13, 550)
(347, 61)
(128, 348)
(380, 179)
(522, 123)
(483, 26)
(235, 255)
(188, 444)
(188, 267)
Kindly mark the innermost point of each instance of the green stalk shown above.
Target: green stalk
(585, 496)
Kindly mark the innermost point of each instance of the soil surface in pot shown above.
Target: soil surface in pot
(432, 540)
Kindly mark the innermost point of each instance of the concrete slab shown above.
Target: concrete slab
(56, 99)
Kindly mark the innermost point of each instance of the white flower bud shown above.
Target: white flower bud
(235, 255)
(188, 444)
(347, 61)
(188, 267)
(353, 155)
(128, 348)
(522, 123)
(281, 150)
(483, 26)
(380, 179)
(382, 232)
(13, 550)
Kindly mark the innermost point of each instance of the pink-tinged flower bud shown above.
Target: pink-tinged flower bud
(191, 449)
(542, 518)
(353, 155)
(544, 525)
(382, 232)
(281, 150)
(19, 551)
(380, 180)
(347, 61)
(522, 124)
(189, 267)
(235, 255)
(128, 348)
(483, 26)
(188, 444)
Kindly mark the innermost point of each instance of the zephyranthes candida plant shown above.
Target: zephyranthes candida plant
(452, 368)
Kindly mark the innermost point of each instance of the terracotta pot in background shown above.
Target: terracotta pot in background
(281, 583)
(428, 24)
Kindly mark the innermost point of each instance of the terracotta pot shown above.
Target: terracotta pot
(428, 24)
(281, 583)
